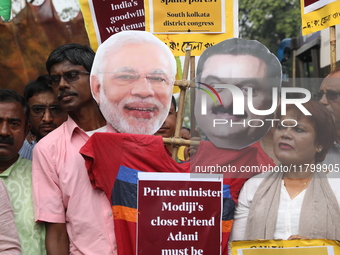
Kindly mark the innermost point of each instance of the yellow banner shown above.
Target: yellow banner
(204, 23)
(95, 38)
(321, 18)
(194, 23)
(192, 16)
(91, 32)
(286, 247)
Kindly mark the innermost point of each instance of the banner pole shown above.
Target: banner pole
(332, 41)
(181, 103)
(294, 69)
(192, 94)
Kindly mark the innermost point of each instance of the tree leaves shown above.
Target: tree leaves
(269, 21)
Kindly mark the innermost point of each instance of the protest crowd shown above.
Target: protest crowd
(73, 143)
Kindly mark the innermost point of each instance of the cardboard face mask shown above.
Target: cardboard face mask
(238, 83)
(132, 81)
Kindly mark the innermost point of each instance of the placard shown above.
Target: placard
(179, 214)
(188, 23)
(319, 14)
(313, 5)
(187, 16)
(286, 247)
(104, 18)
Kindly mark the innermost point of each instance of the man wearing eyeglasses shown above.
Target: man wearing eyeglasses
(329, 96)
(45, 112)
(78, 218)
(132, 81)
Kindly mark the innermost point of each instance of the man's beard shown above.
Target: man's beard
(112, 114)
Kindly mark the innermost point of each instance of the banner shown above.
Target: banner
(202, 27)
(192, 16)
(312, 5)
(286, 247)
(319, 14)
(179, 213)
(105, 18)
(191, 23)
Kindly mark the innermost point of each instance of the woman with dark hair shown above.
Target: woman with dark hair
(299, 199)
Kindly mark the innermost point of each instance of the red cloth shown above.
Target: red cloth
(108, 155)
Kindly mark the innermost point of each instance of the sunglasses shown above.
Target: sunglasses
(330, 95)
(40, 110)
(70, 76)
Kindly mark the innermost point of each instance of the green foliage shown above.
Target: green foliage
(269, 21)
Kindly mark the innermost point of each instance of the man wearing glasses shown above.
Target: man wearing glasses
(45, 112)
(78, 218)
(329, 96)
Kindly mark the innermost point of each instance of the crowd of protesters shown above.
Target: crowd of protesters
(47, 203)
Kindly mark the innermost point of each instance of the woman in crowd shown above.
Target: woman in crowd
(301, 198)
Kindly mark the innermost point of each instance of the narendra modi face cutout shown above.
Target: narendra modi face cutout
(132, 81)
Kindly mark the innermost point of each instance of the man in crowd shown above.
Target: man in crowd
(132, 81)
(78, 218)
(16, 172)
(185, 133)
(45, 112)
(329, 96)
(168, 128)
(249, 67)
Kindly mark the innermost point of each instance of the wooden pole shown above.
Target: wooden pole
(183, 83)
(181, 103)
(332, 41)
(294, 69)
(192, 94)
(179, 141)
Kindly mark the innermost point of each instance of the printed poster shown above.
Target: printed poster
(208, 26)
(286, 247)
(189, 23)
(104, 18)
(312, 5)
(179, 213)
(187, 16)
(319, 14)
